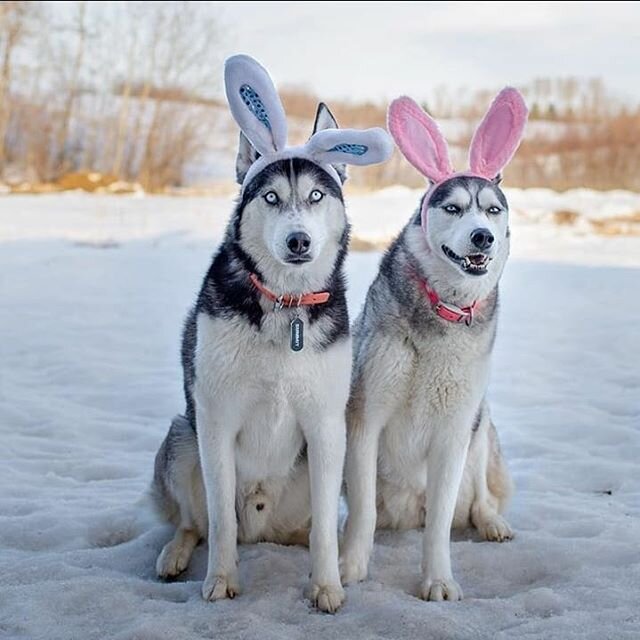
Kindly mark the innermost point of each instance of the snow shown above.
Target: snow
(94, 291)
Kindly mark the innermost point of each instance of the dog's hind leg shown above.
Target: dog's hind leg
(179, 495)
(174, 557)
(489, 483)
(290, 522)
(276, 510)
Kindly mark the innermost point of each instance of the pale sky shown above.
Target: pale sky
(378, 50)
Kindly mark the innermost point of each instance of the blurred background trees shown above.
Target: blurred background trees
(108, 87)
(131, 91)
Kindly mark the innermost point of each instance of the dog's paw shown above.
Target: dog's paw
(495, 529)
(173, 560)
(439, 589)
(353, 568)
(327, 598)
(217, 587)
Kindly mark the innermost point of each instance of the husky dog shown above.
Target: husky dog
(266, 354)
(422, 346)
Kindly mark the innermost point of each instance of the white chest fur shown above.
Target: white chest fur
(443, 391)
(266, 389)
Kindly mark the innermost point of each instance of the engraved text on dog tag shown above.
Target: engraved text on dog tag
(297, 334)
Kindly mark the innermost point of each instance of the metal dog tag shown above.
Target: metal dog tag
(297, 334)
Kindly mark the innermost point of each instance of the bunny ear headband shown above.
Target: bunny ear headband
(492, 147)
(257, 109)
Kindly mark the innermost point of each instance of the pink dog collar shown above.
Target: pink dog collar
(447, 311)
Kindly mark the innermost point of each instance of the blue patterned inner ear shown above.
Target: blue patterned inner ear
(254, 104)
(353, 149)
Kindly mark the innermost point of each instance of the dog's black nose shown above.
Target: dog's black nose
(482, 238)
(299, 242)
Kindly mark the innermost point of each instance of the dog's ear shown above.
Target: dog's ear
(497, 180)
(418, 137)
(326, 120)
(247, 155)
(255, 104)
(350, 146)
(498, 135)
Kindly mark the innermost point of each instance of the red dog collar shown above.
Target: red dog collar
(288, 300)
(447, 311)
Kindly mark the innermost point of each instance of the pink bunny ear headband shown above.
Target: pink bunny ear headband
(257, 109)
(492, 147)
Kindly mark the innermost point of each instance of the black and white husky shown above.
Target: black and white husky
(422, 346)
(266, 353)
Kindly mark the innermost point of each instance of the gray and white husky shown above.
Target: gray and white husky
(266, 354)
(421, 446)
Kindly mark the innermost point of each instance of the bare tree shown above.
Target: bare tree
(78, 28)
(185, 60)
(13, 26)
(131, 33)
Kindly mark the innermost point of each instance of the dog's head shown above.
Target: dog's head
(464, 216)
(291, 214)
(468, 225)
(291, 218)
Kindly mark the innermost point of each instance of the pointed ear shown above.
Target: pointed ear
(498, 135)
(350, 146)
(247, 155)
(418, 137)
(326, 120)
(255, 104)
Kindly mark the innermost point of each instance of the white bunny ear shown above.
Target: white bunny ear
(350, 146)
(255, 104)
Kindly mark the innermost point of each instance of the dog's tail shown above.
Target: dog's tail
(122, 524)
(155, 506)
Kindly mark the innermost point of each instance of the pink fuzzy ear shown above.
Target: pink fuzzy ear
(498, 135)
(418, 137)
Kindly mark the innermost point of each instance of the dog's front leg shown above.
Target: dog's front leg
(325, 449)
(445, 465)
(360, 474)
(216, 442)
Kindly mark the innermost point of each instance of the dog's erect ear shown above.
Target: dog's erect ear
(418, 137)
(497, 180)
(326, 120)
(350, 146)
(498, 135)
(255, 104)
(247, 155)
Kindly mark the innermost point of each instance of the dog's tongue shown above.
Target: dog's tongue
(477, 258)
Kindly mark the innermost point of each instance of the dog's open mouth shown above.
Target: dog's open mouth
(475, 263)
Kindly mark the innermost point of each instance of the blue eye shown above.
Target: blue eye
(494, 210)
(271, 197)
(452, 208)
(316, 195)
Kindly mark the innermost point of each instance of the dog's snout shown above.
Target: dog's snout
(298, 242)
(482, 238)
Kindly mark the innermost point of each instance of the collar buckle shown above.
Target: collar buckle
(469, 316)
(454, 314)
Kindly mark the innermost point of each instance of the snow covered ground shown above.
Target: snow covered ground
(93, 291)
